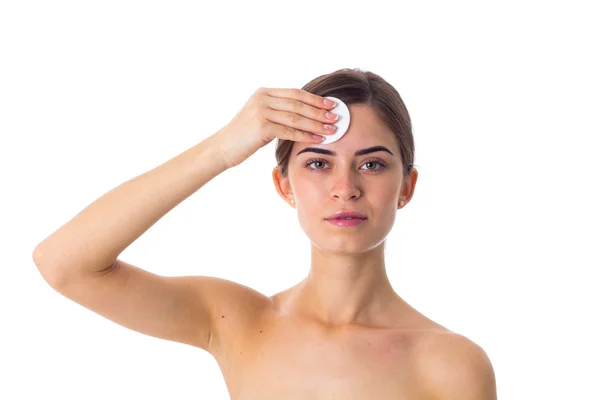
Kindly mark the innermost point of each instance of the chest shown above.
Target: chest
(304, 363)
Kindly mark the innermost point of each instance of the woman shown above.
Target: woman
(340, 333)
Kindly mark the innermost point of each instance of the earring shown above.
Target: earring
(292, 201)
(402, 203)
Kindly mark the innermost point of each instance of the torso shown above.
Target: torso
(289, 357)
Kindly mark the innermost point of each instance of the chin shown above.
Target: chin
(344, 248)
(345, 240)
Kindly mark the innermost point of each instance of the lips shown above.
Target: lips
(347, 214)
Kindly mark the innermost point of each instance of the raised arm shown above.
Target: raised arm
(79, 260)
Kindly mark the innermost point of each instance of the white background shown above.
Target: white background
(499, 243)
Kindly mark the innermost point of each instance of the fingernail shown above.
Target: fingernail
(329, 102)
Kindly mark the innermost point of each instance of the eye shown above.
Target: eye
(369, 162)
(375, 162)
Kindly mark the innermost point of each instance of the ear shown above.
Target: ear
(283, 186)
(408, 188)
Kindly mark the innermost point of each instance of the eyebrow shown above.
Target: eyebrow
(358, 153)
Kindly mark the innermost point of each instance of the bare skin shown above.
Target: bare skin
(287, 355)
(342, 332)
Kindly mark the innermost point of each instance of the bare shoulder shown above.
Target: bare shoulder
(241, 308)
(454, 367)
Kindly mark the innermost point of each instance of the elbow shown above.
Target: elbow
(46, 269)
(37, 255)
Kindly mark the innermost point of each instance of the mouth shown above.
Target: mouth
(347, 215)
(346, 222)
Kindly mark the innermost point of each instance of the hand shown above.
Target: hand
(290, 114)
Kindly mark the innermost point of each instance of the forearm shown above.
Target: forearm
(95, 237)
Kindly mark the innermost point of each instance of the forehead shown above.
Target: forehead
(365, 130)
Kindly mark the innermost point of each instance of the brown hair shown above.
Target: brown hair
(354, 86)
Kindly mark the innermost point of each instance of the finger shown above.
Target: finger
(286, 132)
(299, 122)
(301, 95)
(303, 109)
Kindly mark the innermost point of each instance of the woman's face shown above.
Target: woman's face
(323, 184)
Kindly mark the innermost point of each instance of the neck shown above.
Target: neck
(345, 288)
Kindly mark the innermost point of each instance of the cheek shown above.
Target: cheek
(311, 201)
(387, 190)
(309, 191)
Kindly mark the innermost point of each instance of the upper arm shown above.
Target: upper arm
(456, 368)
(180, 309)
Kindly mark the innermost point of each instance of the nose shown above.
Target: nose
(346, 186)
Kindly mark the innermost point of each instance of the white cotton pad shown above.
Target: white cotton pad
(342, 123)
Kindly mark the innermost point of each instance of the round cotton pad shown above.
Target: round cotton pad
(342, 123)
